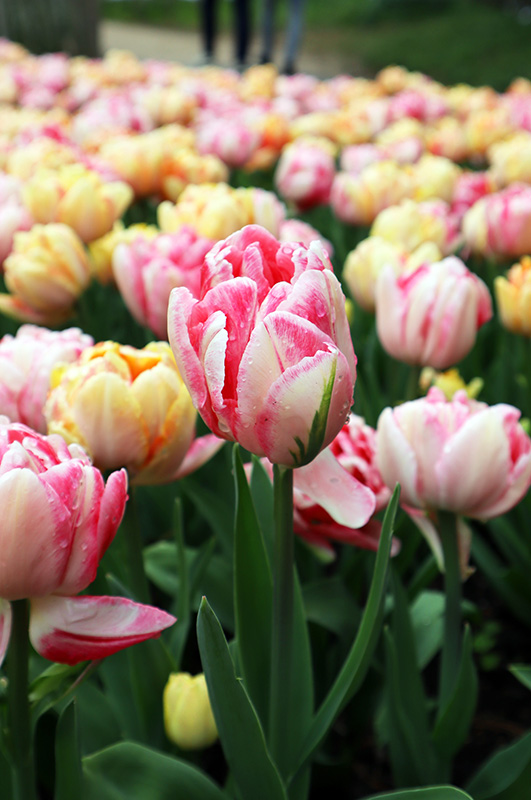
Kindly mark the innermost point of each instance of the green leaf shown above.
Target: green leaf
(240, 732)
(428, 793)
(499, 576)
(427, 618)
(161, 565)
(356, 664)
(129, 771)
(253, 588)
(507, 775)
(179, 632)
(522, 672)
(68, 776)
(262, 494)
(412, 756)
(454, 721)
(329, 603)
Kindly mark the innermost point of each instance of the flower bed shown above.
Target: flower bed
(200, 270)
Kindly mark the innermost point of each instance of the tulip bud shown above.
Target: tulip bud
(188, 717)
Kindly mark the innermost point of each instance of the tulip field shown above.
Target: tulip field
(265, 454)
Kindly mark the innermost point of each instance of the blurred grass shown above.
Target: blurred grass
(452, 40)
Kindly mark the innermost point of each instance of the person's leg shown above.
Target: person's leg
(208, 27)
(293, 36)
(268, 30)
(241, 30)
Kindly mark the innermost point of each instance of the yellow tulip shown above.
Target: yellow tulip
(126, 407)
(47, 270)
(188, 717)
(101, 250)
(513, 297)
(77, 197)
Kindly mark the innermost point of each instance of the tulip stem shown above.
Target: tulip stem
(18, 710)
(282, 640)
(451, 647)
(133, 546)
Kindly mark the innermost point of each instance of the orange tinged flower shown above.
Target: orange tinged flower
(513, 297)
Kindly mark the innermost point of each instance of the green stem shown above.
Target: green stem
(282, 640)
(133, 548)
(451, 648)
(412, 385)
(18, 711)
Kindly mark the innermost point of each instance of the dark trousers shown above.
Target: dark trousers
(241, 27)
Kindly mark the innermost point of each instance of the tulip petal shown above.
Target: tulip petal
(202, 450)
(5, 627)
(343, 496)
(73, 629)
(396, 458)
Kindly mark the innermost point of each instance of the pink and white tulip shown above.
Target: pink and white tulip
(456, 455)
(146, 270)
(266, 351)
(430, 317)
(500, 223)
(26, 363)
(305, 172)
(59, 517)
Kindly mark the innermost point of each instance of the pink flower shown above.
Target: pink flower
(26, 363)
(266, 351)
(469, 188)
(457, 455)
(59, 517)
(295, 230)
(336, 495)
(305, 173)
(148, 269)
(430, 316)
(500, 223)
(231, 140)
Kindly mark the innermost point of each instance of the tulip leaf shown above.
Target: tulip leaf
(426, 793)
(240, 732)
(253, 588)
(454, 720)
(329, 604)
(498, 575)
(262, 493)
(412, 756)
(507, 775)
(68, 775)
(307, 452)
(179, 632)
(522, 672)
(129, 771)
(357, 662)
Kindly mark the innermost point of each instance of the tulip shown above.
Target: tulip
(126, 407)
(146, 270)
(305, 172)
(188, 718)
(266, 351)
(295, 230)
(26, 363)
(364, 264)
(358, 199)
(434, 177)
(469, 188)
(411, 224)
(101, 250)
(500, 223)
(213, 210)
(459, 455)
(186, 166)
(449, 382)
(46, 271)
(59, 517)
(77, 197)
(513, 297)
(337, 494)
(231, 140)
(430, 316)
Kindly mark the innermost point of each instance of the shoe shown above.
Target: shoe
(265, 58)
(289, 68)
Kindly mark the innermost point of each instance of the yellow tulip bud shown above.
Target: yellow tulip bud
(126, 408)
(513, 297)
(48, 269)
(188, 717)
(77, 197)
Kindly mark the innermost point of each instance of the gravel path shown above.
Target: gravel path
(317, 54)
